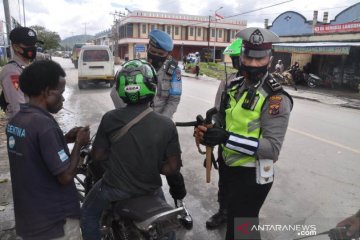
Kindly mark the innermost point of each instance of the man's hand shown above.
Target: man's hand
(354, 223)
(83, 136)
(70, 136)
(211, 136)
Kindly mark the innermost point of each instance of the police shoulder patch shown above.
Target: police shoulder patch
(15, 81)
(274, 104)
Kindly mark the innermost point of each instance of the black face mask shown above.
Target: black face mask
(156, 61)
(254, 74)
(29, 53)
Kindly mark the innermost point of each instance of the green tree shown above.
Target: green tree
(51, 39)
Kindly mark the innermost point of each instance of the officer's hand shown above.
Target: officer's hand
(214, 136)
(70, 136)
(354, 225)
(83, 136)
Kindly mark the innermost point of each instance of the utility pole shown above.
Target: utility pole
(215, 33)
(208, 37)
(115, 32)
(24, 12)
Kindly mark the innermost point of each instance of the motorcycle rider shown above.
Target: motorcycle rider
(168, 94)
(138, 158)
(256, 111)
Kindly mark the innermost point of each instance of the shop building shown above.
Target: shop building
(331, 47)
(190, 33)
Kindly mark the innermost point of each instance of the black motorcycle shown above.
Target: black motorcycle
(143, 218)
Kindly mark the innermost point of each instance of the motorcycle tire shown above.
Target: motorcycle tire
(127, 233)
(311, 83)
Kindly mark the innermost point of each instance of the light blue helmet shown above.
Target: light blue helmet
(161, 39)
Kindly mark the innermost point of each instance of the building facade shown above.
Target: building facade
(11, 16)
(331, 47)
(190, 33)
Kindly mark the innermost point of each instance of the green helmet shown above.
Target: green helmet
(234, 49)
(136, 82)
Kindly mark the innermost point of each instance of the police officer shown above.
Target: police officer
(219, 218)
(23, 42)
(256, 113)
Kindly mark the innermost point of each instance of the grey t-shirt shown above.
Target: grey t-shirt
(136, 159)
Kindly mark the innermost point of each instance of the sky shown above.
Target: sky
(74, 17)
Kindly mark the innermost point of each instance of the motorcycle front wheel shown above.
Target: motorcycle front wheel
(311, 82)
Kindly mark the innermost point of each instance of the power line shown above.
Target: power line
(235, 15)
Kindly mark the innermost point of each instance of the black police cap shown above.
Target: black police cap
(24, 35)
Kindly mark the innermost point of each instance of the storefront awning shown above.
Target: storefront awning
(320, 48)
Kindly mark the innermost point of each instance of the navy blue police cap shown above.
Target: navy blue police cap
(257, 42)
(161, 40)
(24, 35)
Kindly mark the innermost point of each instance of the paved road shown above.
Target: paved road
(316, 182)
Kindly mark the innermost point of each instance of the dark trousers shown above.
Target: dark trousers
(223, 188)
(197, 70)
(245, 198)
(176, 186)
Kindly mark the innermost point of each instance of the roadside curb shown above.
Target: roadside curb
(319, 96)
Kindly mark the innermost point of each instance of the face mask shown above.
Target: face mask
(29, 52)
(254, 74)
(156, 61)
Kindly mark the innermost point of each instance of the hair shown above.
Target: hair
(40, 75)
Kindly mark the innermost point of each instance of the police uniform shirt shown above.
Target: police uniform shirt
(168, 92)
(37, 154)
(9, 79)
(274, 121)
(136, 159)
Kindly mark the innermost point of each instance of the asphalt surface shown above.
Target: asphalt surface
(333, 97)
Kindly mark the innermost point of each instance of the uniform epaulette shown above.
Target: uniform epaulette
(237, 81)
(273, 84)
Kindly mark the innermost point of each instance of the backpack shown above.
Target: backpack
(3, 103)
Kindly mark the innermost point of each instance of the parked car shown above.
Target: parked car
(191, 58)
(95, 64)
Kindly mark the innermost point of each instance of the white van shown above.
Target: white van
(96, 64)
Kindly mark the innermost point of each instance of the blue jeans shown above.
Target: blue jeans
(98, 199)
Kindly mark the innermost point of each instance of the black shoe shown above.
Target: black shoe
(217, 219)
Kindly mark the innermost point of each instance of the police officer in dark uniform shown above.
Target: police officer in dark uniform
(255, 111)
(23, 42)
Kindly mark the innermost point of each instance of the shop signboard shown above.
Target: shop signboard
(321, 50)
(337, 28)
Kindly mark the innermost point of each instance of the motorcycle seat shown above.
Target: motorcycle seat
(141, 208)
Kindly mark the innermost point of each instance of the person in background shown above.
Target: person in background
(42, 168)
(197, 64)
(255, 112)
(279, 67)
(23, 42)
(184, 61)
